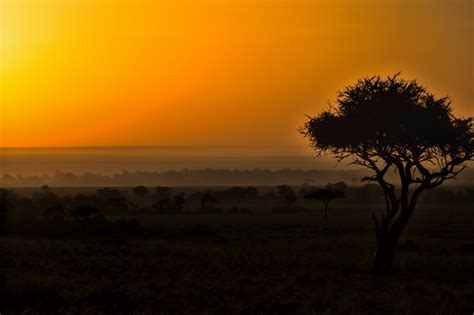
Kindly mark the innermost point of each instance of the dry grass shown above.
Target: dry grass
(262, 263)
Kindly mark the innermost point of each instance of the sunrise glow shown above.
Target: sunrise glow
(93, 73)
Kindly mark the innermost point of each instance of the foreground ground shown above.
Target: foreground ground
(258, 263)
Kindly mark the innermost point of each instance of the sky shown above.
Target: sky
(222, 72)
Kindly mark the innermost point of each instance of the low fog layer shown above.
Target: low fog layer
(204, 177)
(175, 166)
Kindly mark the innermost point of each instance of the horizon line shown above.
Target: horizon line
(149, 146)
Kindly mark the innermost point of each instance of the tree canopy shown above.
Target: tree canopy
(325, 194)
(381, 123)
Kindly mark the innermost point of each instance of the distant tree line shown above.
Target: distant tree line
(204, 177)
(166, 200)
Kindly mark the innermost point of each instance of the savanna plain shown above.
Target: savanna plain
(256, 253)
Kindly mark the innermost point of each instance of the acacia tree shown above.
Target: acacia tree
(326, 195)
(394, 125)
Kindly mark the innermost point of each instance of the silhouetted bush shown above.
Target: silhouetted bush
(45, 199)
(162, 206)
(286, 193)
(83, 212)
(45, 188)
(207, 201)
(55, 214)
(162, 192)
(239, 194)
(178, 202)
(140, 191)
(117, 204)
(109, 193)
(170, 205)
(81, 199)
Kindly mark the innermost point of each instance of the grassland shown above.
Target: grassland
(249, 263)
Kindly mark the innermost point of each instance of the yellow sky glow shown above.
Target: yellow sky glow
(131, 72)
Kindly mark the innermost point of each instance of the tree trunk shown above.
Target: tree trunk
(387, 242)
(385, 254)
(399, 211)
(326, 213)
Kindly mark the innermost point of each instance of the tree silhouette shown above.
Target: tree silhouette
(286, 193)
(140, 191)
(83, 213)
(163, 205)
(394, 124)
(207, 200)
(178, 201)
(326, 195)
(54, 214)
(108, 193)
(45, 188)
(163, 192)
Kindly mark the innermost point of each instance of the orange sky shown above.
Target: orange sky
(238, 72)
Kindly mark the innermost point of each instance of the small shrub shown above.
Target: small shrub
(140, 191)
(83, 212)
(54, 214)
